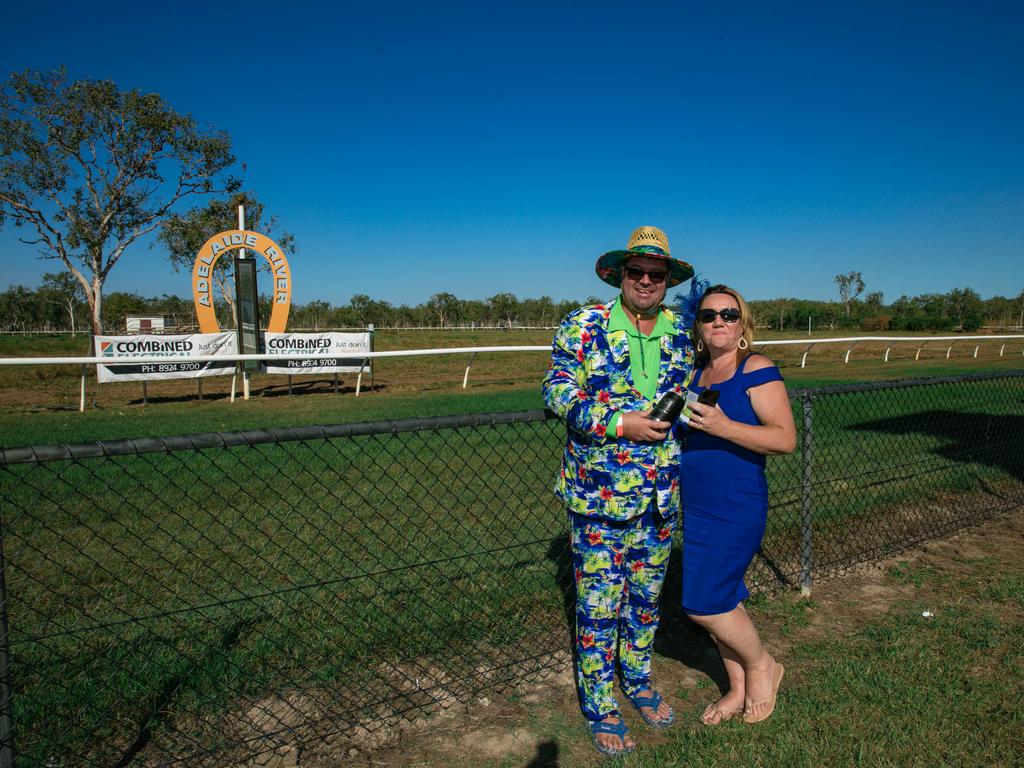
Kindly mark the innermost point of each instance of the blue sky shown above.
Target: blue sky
(477, 148)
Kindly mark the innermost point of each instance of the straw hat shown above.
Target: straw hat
(645, 241)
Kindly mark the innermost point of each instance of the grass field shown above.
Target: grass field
(168, 593)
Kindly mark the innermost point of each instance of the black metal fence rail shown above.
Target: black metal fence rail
(208, 599)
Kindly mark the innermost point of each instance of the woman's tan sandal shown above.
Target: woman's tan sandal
(776, 679)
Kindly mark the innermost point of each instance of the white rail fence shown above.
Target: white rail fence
(891, 341)
(472, 352)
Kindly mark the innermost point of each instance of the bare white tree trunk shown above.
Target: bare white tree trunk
(71, 314)
(95, 298)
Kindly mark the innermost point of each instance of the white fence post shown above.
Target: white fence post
(465, 378)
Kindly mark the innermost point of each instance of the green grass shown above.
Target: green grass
(221, 416)
(903, 691)
(164, 589)
(303, 557)
(218, 415)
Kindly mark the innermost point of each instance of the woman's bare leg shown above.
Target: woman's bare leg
(742, 646)
(731, 702)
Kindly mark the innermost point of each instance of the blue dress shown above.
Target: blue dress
(725, 502)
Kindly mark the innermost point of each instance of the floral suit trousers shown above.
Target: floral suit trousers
(619, 569)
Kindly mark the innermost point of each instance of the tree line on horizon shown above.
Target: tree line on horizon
(57, 304)
(87, 169)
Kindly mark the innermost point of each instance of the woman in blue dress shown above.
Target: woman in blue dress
(725, 495)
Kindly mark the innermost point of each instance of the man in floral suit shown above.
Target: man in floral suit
(619, 481)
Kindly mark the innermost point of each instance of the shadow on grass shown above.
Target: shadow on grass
(971, 438)
(157, 712)
(546, 757)
(679, 638)
(317, 387)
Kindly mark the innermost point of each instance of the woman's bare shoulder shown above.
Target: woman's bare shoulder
(756, 362)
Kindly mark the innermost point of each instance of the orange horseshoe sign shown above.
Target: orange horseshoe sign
(232, 240)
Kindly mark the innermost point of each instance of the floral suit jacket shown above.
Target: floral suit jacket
(588, 380)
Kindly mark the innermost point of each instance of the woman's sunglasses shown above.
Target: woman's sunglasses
(729, 315)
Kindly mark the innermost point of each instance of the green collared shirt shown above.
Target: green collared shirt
(644, 351)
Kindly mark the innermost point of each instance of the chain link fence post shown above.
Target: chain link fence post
(806, 488)
(6, 704)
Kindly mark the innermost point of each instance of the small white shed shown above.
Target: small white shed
(148, 323)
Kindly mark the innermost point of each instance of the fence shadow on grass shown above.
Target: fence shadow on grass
(560, 555)
(317, 387)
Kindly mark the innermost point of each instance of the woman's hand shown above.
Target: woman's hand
(774, 434)
(709, 418)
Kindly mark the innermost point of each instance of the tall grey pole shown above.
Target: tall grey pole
(242, 255)
(806, 497)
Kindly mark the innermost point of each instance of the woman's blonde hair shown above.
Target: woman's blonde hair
(746, 318)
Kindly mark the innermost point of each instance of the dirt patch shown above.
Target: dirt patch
(858, 542)
(877, 597)
(866, 592)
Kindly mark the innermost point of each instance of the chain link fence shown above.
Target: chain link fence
(221, 599)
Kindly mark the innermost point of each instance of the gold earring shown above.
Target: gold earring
(700, 345)
(743, 343)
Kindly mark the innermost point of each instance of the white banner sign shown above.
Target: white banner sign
(119, 348)
(335, 352)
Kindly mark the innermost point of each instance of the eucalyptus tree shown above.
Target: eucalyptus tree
(88, 169)
(966, 306)
(851, 285)
(503, 309)
(446, 307)
(61, 289)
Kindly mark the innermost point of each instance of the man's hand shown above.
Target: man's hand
(638, 428)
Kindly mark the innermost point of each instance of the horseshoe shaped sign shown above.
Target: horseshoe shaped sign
(232, 240)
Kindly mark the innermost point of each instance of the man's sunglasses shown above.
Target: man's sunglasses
(729, 315)
(656, 275)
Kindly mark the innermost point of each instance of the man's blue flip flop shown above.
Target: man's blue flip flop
(653, 702)
(615, 729)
